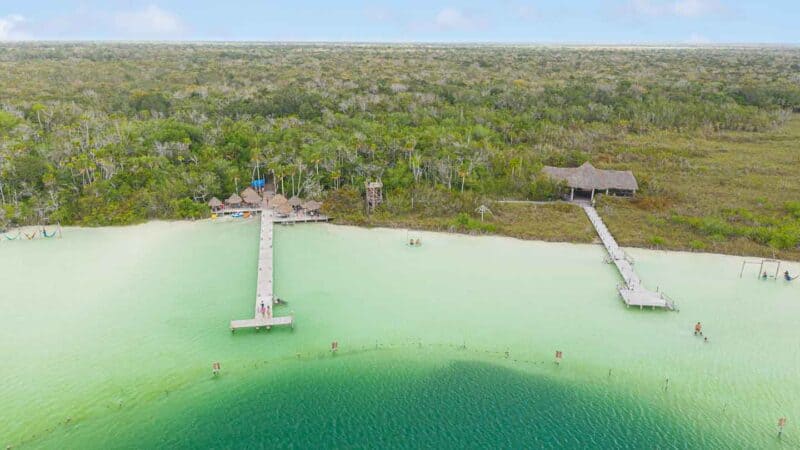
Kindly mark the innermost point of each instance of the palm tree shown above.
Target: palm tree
(483, 209)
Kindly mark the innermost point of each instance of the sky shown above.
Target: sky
(503, 21)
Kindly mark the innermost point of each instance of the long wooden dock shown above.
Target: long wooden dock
(263, 317)
(632, 291)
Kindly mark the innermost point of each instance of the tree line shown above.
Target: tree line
(98, 134)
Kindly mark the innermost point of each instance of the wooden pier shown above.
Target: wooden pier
(264, 286)
(289, 219)
(631, 291)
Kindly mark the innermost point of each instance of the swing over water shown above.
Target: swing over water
(448, 344)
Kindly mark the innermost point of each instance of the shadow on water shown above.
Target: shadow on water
(384, 399)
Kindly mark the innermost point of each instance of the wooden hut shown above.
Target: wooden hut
(284, 210)
(587, 180)
(312, 207)
(277, 200)
(215, 204)
(234, 201)
(251, 197)
(295, 202)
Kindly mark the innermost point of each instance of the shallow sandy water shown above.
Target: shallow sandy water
(108, 337)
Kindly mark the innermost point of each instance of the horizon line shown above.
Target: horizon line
(675, 44)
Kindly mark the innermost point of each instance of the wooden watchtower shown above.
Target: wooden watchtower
(374, 194)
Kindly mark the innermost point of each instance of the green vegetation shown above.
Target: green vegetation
(726, 192)
(120, 133)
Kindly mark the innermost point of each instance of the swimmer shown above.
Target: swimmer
(698, 329)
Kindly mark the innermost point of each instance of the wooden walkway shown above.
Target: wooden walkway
(264, 285)
(291, 218)
(632, 291)
(300, 218)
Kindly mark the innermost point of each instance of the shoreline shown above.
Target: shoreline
(595, 240)
(388, 226)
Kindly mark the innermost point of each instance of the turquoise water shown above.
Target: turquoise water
(109, 335)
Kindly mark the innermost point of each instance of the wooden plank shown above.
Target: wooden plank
(260, 322)
(633, 293)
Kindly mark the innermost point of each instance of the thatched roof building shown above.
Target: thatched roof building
(295, 201)
(312, 205)
(251, 197)
(277, 200)
(589, 179)
(284, 209)
(215, 203)
(233, 200)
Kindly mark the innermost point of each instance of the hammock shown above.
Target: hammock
(13, 238)
(44, 233)
(30, 236)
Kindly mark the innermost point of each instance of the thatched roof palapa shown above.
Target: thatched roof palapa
(214, 202)
(586, 177)
(284, 209)
(234, 199)
(250, 196)
(277, 200)
(295, 201)
(312, 205)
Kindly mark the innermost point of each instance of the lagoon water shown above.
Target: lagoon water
(107, 337)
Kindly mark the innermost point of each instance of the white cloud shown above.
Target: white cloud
(10, 28)
(645, 8)
(675, 8)
(696, 8)
(456, 19)
(524, 10)
(151, 21)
